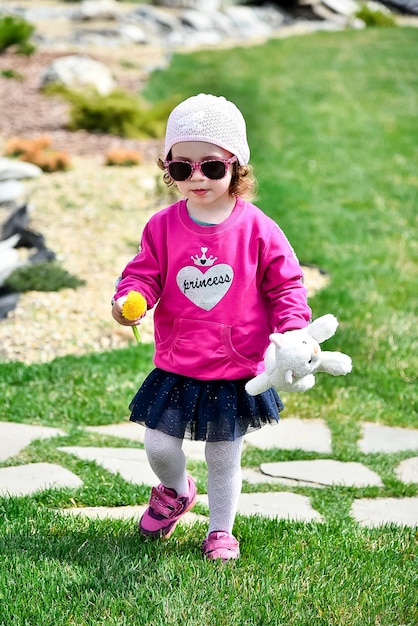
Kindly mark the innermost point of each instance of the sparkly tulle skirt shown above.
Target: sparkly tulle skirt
(214, 410)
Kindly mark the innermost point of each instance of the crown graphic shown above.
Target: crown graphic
(203, 260)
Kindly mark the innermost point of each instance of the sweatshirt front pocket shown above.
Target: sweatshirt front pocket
(202, 349)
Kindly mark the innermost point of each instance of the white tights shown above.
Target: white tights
(223, 460)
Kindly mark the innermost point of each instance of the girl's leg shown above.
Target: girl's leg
(177, 493)
(167, 460)
(223, 459)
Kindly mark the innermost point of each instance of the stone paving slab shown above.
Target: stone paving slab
(279, 505)
(131, 463)
(15, 437)
(123, 430)
(289, 434)
(324, 472)
(407, 470)
(373, 512)
(377, 438)
(255, 476)
(135, 432)
(123, 512)
(24, 480)
(292, 434)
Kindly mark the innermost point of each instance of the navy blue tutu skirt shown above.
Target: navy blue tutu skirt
(204, 410)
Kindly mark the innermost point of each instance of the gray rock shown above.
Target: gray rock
(273, 16)
(405, 6)
(194, 39)
(40, 13)
(246, 23)
(101, 37)
(97, 10)
(9, 262)
(199, 5)
(133, 34)
(7, 244)
(157, 20)
(14, 222)
(185, 23)
(223, 24)
(341, 20)
(78, 71)
(11, 191)
(342, 7)
(8, 302)
(12, 169)
(197, 20)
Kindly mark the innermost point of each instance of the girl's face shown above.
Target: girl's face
(200, 191)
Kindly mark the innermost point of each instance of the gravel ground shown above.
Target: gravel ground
(27, 112)
(91, 217)
(92, 238)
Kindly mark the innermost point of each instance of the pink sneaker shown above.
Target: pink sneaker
(165, 509)
(220, 545)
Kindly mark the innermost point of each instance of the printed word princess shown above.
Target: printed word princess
(198, 283)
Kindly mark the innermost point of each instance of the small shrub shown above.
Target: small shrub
(122, 157)
(17, 146)
(15, 31)
(51, 161)
(119, 113)
(11, 73)
(374, 17)
(39, 152)
(42, 277)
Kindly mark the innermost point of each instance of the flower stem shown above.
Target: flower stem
(136, 333)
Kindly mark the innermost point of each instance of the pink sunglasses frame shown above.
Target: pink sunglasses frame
(198, 165)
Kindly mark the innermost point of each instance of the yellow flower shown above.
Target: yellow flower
(134, 306)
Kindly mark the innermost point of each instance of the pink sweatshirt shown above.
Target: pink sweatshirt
(220, 290)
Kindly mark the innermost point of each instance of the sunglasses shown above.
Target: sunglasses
(215, 169)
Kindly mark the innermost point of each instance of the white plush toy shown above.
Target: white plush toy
(292, 358)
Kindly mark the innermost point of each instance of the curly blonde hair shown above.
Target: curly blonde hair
(243, 182)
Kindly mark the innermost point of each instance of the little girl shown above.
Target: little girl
(222, 276)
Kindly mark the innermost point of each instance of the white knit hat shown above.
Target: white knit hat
(212, 119)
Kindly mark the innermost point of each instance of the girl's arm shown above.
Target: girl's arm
(283, 286)
(142, 274)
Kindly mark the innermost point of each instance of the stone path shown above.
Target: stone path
(308, 435)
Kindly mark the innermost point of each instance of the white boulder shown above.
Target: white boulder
(11, 169)
(78, 71)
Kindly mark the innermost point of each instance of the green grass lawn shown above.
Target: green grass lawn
(333, 128)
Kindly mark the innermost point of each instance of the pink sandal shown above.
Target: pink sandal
(165, 510)
(220, 545)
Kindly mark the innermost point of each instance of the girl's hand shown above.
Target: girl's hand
(129, 310)
(118, 315)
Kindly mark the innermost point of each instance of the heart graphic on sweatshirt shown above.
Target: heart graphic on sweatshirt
(205, 289)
